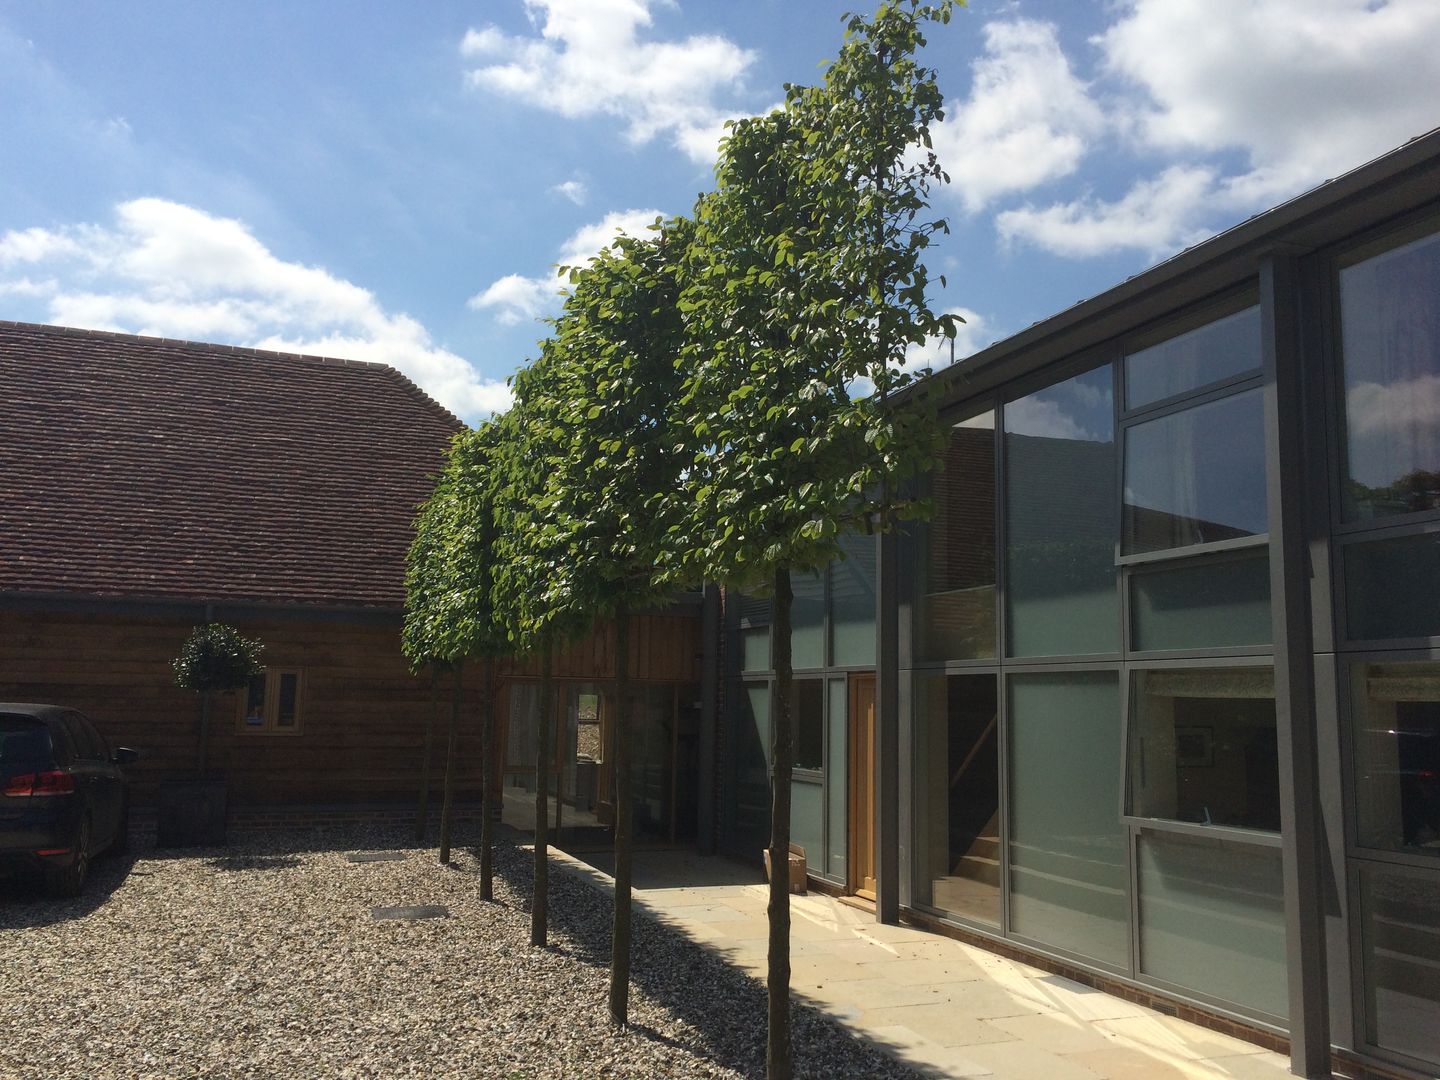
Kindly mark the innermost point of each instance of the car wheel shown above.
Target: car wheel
(69, 879)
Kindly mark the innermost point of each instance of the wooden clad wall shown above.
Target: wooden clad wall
(663, 648)
(363, 713)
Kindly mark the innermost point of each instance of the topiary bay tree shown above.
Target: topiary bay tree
(804, 288)
(215, 658)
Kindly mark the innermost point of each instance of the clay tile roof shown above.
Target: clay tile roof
(144, 467)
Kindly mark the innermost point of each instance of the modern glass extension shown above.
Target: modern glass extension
(1095, 744)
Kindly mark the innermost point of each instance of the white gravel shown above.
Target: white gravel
(262, 959)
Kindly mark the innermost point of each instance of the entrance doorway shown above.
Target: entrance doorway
(861, 877)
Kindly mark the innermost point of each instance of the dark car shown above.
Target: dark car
(63, 798)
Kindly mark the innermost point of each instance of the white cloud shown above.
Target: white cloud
(515, 298)
(1156, 217)
(589, 60)
(175, 271)
(971, 336)
(574, 190)
(1305, 88)
(1028, 118)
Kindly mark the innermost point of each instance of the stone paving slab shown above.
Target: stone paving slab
(948, 1008)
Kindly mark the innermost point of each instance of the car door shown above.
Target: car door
(91, 782)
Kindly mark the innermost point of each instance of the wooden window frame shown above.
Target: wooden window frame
(271, 725)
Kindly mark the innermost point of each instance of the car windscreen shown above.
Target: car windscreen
(24, 741)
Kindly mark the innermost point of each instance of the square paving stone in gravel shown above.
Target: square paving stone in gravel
(375, 856)
(411, 912)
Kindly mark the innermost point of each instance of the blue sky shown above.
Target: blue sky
(396, 183)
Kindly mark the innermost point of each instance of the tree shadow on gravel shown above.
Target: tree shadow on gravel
(234, 863)
(23, 904)
(724, 1006)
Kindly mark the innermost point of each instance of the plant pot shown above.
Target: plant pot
(191, 813)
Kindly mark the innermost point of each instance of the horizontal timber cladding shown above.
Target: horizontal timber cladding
(362, 713)
(663, 648)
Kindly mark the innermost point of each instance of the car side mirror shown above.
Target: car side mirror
(125, 756)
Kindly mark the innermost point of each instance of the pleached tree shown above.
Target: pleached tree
(804, 286)
(605, 393)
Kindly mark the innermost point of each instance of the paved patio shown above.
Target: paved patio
(950, 1009)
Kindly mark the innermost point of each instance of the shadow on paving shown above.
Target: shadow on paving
(725, 1006)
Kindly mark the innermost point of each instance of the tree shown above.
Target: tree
(215, 657)
(604, 391)
(449, 614)
(803, 283)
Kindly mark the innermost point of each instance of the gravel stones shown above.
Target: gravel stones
(262, 960)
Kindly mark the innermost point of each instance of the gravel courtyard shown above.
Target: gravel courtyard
(262, 959)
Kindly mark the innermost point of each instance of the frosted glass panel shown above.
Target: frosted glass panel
(1219, 350)
(852, 603)
(837, 779)
(1068, 882)
(1060, 513)
(1212, 919)
(749, 757)
(1210, 606)
(807, 821)
(807, 620)
(1390, 588)
(1400, 957)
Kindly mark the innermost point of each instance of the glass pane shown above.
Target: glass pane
(837, 780)
(1396, 742)
(808, 715)
(1060, 514)
(579, 774)
(520, 732)
(1203, 747)
(1390, 330)
(1208, 606)
(255, 701)
(1212, 919)
(958, 567)
(289, 688)
(852, 603)
(1217, 350)
(1197, 476)
(1068, 881)
(807, 620)
(651, 742)
(755, 649)
(749, 759)
(807, 821)
(957, 817)
(1390, 588)
(1400, 956)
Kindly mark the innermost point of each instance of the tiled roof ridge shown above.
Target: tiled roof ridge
(415, 390)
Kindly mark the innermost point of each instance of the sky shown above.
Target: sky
(398, 182)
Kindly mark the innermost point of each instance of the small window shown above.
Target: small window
(1203, 747)
(270, 703)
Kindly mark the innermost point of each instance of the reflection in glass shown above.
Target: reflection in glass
(1396, 743)
(958, 816)
(749, 758)
(807, 820)
(1210, 605)
(1203, 747)
(521, 731)
(1197, 476)
(1212, 918)
(1060, 519)
(1390, 329)
(1219, 350)
(1390, 588)
(852, 601)
(754, 630)
(1400, 929)
(958, 567)
(837, 781)
(1068, 882)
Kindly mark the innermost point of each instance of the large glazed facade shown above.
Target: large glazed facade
(1164, 702)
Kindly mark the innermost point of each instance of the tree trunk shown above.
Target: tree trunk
(487, 753)
(204, 733)
(539, 908)
(624, 824)
(447, 802)
(778, 1057)
(422, 814)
